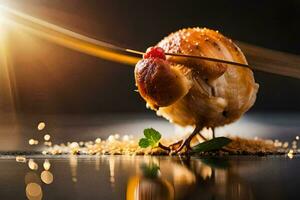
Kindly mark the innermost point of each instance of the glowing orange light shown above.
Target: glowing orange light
(63, 36)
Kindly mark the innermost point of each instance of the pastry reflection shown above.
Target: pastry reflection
(187, 179)
(216, 179)
(146, 177)
(73, 167)
(149, 184)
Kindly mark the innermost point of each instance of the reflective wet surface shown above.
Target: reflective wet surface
(145, 177)
(142, 177)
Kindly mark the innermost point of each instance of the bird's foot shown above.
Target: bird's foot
(177, 147)
(186, 144)
(171, 148)
(213, 132)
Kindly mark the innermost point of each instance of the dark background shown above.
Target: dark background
(50, 79)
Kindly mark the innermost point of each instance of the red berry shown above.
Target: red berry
(155, 52)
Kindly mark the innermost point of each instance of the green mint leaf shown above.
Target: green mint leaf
(211, 145)
(144, 143)
(152, 135)
(152, 138)
(153, 144)
(150, 170)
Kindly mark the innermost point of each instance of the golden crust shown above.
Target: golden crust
(220, 93)
(202, 42)
(191, 91)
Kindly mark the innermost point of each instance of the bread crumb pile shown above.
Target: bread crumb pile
(255, 146)
(128, 145)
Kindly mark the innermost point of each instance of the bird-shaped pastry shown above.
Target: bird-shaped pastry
(195, 92)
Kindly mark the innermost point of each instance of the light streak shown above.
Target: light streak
(63, 36)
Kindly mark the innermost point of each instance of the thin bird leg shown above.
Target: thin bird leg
(213, 132)
(187, 142)
(203, 138)
(164, 147)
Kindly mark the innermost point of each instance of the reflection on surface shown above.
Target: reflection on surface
(34, 191)
(33, 182)
(73, 167)
(47, 177)
(147, 178)
(180, 179)
(220, 181)
(112, 171)
(149, 184)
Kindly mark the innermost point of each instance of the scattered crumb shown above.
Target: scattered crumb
(97, 141)
(21, 159)
(252, 146)
(290, 154)
(128, 145)
(33, 142)
(116, 146)
(32, 165)
(47, 137)
(41, 126)
(46, 165)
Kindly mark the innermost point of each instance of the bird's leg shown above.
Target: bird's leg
(202, 137)
(164, 147)
(186, 143)
(213, 132)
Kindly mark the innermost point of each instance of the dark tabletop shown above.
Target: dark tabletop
(143, 177)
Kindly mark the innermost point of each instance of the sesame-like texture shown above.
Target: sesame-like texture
(220, 93)
(119, 146)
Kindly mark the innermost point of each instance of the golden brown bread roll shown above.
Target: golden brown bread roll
(192, 91)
